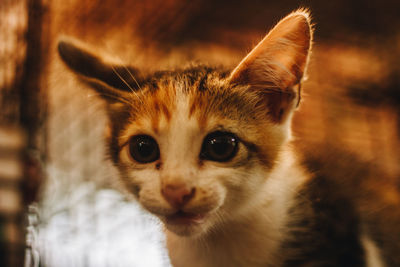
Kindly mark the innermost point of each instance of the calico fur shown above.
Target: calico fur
(269, 205)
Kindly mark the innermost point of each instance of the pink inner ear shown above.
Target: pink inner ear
(278, 105)
(277, 64)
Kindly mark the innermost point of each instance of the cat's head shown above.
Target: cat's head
(196, 146)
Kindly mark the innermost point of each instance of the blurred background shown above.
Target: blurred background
(60, 203)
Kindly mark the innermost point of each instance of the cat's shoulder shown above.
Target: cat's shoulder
(347, 211)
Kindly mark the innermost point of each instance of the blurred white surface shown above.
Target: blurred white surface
(100, 229)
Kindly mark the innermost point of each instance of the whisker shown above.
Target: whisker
(122, 79)
(120, 99)
(133, 77)
(132, 90)
(130, 74)
(125, 82)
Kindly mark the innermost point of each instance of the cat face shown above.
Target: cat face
(188, 154)
(196, 146)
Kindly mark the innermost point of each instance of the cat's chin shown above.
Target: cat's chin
(185, 224)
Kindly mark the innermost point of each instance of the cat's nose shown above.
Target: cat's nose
(178, 194)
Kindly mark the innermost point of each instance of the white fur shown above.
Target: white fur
(253, 237)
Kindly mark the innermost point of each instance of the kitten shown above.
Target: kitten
(209, 152)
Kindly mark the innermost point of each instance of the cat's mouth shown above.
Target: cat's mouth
(184, 218)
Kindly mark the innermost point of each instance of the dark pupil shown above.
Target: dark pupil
(219, 146)
(144, 149)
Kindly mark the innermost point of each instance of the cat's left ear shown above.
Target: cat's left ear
(111, 81)
(276, 66)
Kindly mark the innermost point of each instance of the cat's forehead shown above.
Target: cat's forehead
(191, 78)
(198, 99)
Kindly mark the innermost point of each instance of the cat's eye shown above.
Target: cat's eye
(219, 146)
(144, 149)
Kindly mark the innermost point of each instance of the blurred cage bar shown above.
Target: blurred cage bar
(21, 117)
(13, 21)
(12, 237)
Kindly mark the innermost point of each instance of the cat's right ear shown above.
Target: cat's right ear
(276, 66)
(111, 81)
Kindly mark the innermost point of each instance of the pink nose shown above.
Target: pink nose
(177, 194)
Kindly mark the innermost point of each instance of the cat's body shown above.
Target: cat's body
(209, 152)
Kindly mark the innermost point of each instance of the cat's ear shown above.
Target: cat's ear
(109, 80)
(276, 66)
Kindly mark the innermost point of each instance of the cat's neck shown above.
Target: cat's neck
(254, 238)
